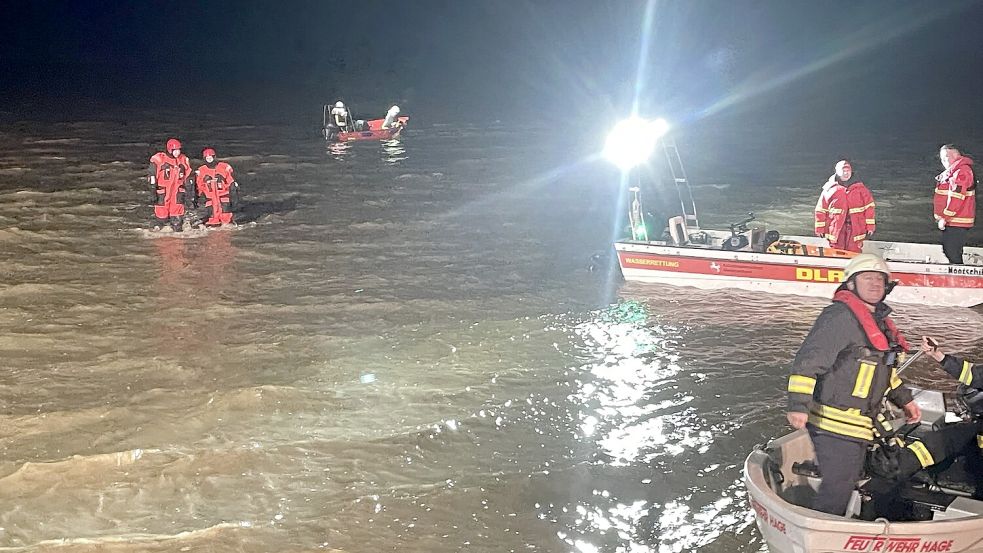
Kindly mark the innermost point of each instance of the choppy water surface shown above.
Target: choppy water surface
(400, 349)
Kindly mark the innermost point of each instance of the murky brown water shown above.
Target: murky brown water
(400, 349)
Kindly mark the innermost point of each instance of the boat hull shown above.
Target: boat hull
(373, 131)
(789, 528)
(930, 283)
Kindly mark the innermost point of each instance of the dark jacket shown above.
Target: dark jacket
(840, 378)
(967, 373)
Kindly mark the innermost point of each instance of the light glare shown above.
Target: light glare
(633, 140)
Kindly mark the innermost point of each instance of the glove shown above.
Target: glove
(941, 224)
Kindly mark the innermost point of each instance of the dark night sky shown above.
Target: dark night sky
(829, 60)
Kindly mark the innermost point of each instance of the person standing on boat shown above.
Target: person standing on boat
(216, 181)
(955, 201)
(845, 210)
(338, 121)
(169, 174)
(840, 375)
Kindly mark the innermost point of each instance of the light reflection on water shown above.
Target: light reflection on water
(641, 412)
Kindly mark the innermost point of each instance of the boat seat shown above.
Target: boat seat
(677, 230)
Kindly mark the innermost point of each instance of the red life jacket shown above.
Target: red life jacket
(214, 181)
(866, 319)
(170, 171)
(171, 174)
(215, 184)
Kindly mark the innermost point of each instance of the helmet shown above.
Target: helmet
(394, 110)
(339, 104)
(173, 144)
(866, 262)
(208, 152)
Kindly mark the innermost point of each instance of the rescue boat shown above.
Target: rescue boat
(938, 505)
(751, 259)
(373, 131)
(707, 259)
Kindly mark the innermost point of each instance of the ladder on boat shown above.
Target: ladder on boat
(686, 201)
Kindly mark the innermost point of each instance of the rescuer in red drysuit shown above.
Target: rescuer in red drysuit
(169, 173)
(215, 181)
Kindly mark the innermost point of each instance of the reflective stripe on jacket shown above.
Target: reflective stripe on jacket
(955, 194)
(840, 375)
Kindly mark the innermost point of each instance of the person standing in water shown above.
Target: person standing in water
(215, 180)
(169, 174)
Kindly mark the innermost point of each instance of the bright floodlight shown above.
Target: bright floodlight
(633, 140)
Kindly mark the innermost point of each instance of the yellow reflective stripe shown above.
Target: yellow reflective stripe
(871, 222)
(895, 379)
(962, 220)
(956, 195)
(886, 424)
(971, 193)
(966, 377)
(798, 384)
(830, 237)
(979, 441)
(835, 210)
(920, 451)
(861, 209)
(842, 429)
(849, 416)
(820, 224)
(821, 210)
(865, 375)
(860, 237)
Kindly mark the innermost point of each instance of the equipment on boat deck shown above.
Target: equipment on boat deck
(636, 220)
(935, 510)
(762, 260)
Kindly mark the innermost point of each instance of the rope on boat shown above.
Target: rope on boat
(885, 532)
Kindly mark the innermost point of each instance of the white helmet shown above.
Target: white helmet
(866, 262)
(339, 104)
(394, 110)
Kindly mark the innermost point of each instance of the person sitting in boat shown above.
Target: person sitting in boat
(955, 201)
(844, 214)
(969, 374)
(840, 375)
(392, 119)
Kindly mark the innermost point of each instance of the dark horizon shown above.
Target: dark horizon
(833, 65)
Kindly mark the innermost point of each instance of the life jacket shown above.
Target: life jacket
(170, 174)
(866, 319)
(340, 116)
(215, 183)
(169, 170)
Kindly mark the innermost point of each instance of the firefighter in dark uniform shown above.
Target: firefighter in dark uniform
(841, 373)
(968, 374)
